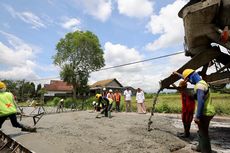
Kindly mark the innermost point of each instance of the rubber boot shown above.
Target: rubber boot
(28, 129)
(187, 130)
(109, 114)
(205, 145)
(186, 133)
(106, 113)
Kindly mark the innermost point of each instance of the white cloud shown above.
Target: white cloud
(135, 8)
(17, 60)
(146, 75)
(27, 17)
(100, 9)
(141, 75)
(168, 25)
(71, 24)
(116, 54)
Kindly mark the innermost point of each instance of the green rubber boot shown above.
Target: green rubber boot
(109, 114)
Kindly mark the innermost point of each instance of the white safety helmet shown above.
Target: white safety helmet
(110, 90)
(104, 89)
(94, 103)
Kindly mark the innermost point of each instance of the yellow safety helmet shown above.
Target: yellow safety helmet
(98, 96)
(187, 72)
(2, 85)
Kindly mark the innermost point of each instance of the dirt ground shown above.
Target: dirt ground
(80, 131)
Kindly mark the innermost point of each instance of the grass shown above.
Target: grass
(172, 104)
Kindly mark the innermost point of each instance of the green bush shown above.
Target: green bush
(53, 102)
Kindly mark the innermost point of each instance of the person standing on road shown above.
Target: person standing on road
(140, 99)
(60, 106)
(205, 109)
(188, 107)
(8, 109)
(128, 98)
(117, 98)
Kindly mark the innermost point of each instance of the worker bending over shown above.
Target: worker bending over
(106, 104)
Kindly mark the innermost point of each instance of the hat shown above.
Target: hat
(2, 85)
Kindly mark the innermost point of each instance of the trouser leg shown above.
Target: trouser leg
(118, 106)
(127, 105)
(187, 129)
(14, 122)
(2, 120)
(204, 142)
(143, 107)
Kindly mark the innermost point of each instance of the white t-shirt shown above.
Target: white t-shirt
(128, 94)
(140, 97)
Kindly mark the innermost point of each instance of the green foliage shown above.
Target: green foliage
(78, 54)
(149, 95)
(69, 102)
(21, 89)
(53, 102)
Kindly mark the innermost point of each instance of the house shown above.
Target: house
(113, 84)
(57, 88)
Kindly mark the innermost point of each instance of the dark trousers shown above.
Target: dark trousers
(13, 120)
(118, 106)
(105, 111)
(204, 141)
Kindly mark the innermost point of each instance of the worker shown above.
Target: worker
(110, 94)
(188, 107)
(8, 109)
(205, 109)
(104, 92)
(106, 104)
(117, 98)
(60, 106)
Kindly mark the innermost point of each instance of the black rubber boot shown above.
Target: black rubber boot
(205, 145)
(28, 129)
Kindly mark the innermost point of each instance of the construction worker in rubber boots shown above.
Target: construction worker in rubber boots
(8, 109)
(188, 107)
(105, 103)
(205, 109)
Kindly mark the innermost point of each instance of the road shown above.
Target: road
(80, 131)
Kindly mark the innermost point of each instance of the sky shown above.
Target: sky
(128, 30)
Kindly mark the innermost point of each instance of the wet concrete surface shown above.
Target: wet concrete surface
(80, 131)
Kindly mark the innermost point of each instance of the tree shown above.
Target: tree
(78, 54)
(38, 89)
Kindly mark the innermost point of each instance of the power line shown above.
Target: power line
(131, 63)
(126, 64)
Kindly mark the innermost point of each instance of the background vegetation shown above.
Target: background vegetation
(166, 103)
